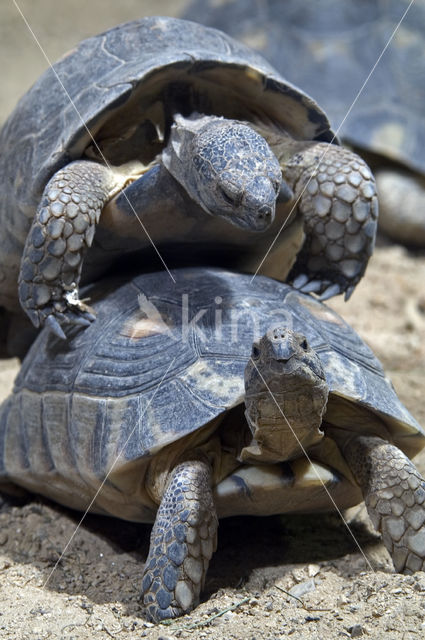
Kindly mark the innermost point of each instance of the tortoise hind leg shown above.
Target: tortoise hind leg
(62, 230)
(394, 493)
(182, 542)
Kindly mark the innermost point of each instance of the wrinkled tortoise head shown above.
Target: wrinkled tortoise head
(285, 396)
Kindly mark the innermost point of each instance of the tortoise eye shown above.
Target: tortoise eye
(231, 193)
(304, 344)
(255, 352)
(226, 197)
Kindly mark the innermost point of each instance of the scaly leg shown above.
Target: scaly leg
(62, 230)
(182, 542)
(394, 493)
(337, 199)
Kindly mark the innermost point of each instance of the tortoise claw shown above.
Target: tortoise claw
(349, 292)
(83, 320)
(330, 292)
(314, 286)
(71, 317)
(52, 323)
(300, 281)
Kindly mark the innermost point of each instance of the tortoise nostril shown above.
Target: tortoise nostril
(264, 212)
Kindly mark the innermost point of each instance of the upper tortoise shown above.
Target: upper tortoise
(206, 398)
(158, 133)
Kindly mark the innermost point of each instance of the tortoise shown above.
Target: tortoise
(158, 133)
(210, 398)
(329, 47)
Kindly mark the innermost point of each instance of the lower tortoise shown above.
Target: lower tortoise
(212, 397)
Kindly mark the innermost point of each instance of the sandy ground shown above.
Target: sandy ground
(274, 577)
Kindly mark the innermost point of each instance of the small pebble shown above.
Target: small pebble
(419, 586)
(356, 631)
(298, 575)
(302, 588)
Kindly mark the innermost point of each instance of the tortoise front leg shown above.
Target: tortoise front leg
(182, 542)
(62, 230)
(394, 493)
(337, 199)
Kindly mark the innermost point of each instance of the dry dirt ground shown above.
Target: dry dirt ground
(274, 577)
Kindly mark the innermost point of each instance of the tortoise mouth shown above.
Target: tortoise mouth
(258, 220)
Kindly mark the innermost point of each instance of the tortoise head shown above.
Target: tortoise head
(285, 396)
(227, 168)
(282, 357)
(237, 175)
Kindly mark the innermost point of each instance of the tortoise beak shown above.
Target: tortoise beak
(259, 203)
(283, 349)
(254, 219)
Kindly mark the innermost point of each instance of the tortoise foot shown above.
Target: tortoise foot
(69, 310)
(336, 195)
(394, 493)
(182, 542)
(54, 321)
